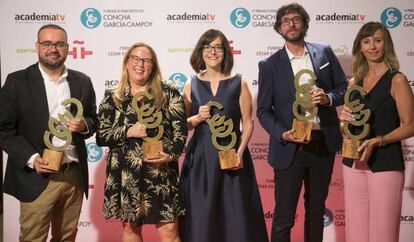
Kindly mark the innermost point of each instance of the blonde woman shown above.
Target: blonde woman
(140, 191)
(373, 190)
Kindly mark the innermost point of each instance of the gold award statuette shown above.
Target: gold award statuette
(353, 141)
(53, 154)
(303, 99)
(220, 129)
(152, 146)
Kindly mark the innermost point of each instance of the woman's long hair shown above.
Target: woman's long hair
(359, 63)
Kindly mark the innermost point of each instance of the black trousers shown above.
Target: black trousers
(312, 166)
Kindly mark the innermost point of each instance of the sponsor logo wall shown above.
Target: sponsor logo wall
(100, 33)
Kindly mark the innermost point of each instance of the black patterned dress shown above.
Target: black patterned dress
(137, 192)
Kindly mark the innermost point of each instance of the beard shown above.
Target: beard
(52, 64)
(296, 38)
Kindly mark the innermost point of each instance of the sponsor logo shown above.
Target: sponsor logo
(256, 18)
(408, 188)
(339, 218)
(411, 83)
(191, 18)
(259, 151)
(408, 150)
(240, 17)
(270, 50)
(114, 18)
(176, 50)
(269, 215)
(340, 18)
(408, 18)
(26, 51)
(233, 50)
(338, 184)
(91, 18)
(407, 219)
(341, 50)
(95, 152)
(269, 184)
(84, 224)
(179, 79)
(327, 218)
(40, 18)
(110, 83)
(391, 17)
(79, 51)
(121, 51)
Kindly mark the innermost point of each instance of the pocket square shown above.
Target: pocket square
(325, 65)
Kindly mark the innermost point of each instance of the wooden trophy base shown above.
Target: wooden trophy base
(349, 149)
(302, 128)
(228, 159)
(53, 159)
(152, 149)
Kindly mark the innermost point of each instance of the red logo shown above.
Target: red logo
(81, 53)
(235, 52)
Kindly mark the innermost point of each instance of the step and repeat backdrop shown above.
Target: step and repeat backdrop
(100, 32)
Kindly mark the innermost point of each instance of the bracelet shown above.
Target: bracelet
(383, 141)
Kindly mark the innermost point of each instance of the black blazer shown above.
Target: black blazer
(24, 118)
(277, 94)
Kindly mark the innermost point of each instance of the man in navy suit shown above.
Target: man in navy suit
(28, 98)
(297, 160)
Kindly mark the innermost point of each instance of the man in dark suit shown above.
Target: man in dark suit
(297, 160)
(28, 98)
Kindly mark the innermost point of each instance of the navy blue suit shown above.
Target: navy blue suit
(274, 111)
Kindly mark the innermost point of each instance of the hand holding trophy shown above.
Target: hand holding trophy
(303, 98)
(152, 146)
(353, 141)
(221, 129)
(57, 127)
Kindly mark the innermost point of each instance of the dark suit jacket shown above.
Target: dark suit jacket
(277, 94)
(24, 118)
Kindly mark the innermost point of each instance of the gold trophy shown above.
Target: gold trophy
(303, 98)
(353, 141)
(152, 146)
(53, 155)
(221, 128)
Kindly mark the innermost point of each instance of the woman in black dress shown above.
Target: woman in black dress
(221, 205)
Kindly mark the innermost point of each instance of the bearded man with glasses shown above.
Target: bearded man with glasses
(28, 98)
(298, 161)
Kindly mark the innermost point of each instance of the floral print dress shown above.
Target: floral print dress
(137, 192)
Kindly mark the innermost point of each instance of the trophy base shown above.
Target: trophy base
(349, 148)
(53, 159)
(152, 149)
(302, 128)
(228, 159)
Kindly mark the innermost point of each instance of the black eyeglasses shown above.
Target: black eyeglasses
(48, 45)
(138, 60)
(295, 20)
(216, 48)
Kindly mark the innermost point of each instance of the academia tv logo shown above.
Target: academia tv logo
(95, 152)
(327, 218)
(91, 18)
(39, 18)
(240, 17)
(179, 79)
(391, 17)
